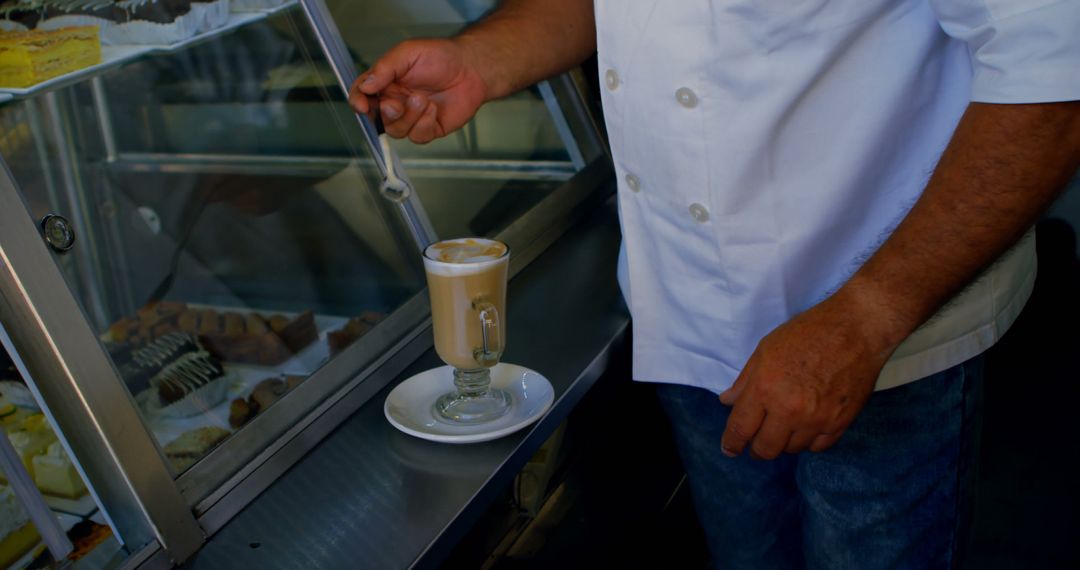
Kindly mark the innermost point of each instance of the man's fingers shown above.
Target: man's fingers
(359, 100)
(728, 397)
(391, 67)
(425, 130)
(742, 425)
(771, 439)
(825, 441)
(413, 109)
(391, 109)
(800, 441)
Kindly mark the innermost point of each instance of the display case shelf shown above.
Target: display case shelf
(114, 56)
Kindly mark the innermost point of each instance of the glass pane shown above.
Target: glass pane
(478, 180)
(230, 239)
(56, 476)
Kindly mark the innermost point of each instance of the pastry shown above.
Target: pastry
(265, 393)
(185, 375)
(186, 450)
(299, 332)
(121, 330)
(230, 336)
(265, 349)
(372, 317)
(190, 385)
(188, 321)
(118, 11)
(278, 323)
(354, 329)
(17, 393)
(255, 325)
(21, 15)
(17, 535)
(151, 321)
(209, 322)
(240, 411)
(32, 440)
(293, 381)
(261, 342)
(85, 536)
(28, 58)
(149, 360)
(55, 474)
(234, 324)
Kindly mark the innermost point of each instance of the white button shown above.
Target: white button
(611, 79)
(633, 183)
(686, 97)
(699, 213)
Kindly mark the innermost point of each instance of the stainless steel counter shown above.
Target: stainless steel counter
(369, 496)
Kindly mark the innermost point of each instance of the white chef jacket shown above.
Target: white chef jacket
(766, 148)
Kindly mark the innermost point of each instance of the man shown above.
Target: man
(813, 195)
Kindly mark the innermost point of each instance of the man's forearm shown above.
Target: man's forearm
(525, 41)
(1003, 167)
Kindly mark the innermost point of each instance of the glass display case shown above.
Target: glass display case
(197, 264)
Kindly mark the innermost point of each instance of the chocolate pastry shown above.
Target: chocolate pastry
(265, 349)
(255, 324)
(209, 322)
(278, 323)
(267, 392)
(188, 321)
(152, 358)
(25, 12)
(240, 412)
(186, 375)
(153, 320)
(160, 11)
(234, 324)
(251, 339)
(300, 332)
(293, 381)
(354, 329)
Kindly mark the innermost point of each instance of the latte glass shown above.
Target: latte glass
(467, 284)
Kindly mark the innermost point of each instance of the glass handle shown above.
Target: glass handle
(490, 334)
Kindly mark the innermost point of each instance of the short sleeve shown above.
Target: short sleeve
(1022, 51)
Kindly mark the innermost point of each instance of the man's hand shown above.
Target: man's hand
(806, 382)
(425, 89)
(809, 378)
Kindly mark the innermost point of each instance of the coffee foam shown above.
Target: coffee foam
(463, 256)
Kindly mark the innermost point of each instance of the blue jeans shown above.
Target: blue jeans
(894, 492)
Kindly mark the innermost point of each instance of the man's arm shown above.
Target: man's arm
(525, 41)
(426, 89)
(810, 377)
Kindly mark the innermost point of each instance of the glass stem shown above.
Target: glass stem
(472, 383)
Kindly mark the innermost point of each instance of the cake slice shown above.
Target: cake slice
(17, 534)
(28, 58)
(55, 474)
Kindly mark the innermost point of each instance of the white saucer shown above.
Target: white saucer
(409, 405)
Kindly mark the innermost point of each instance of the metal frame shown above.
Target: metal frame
(325, 166)
(70, 372)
